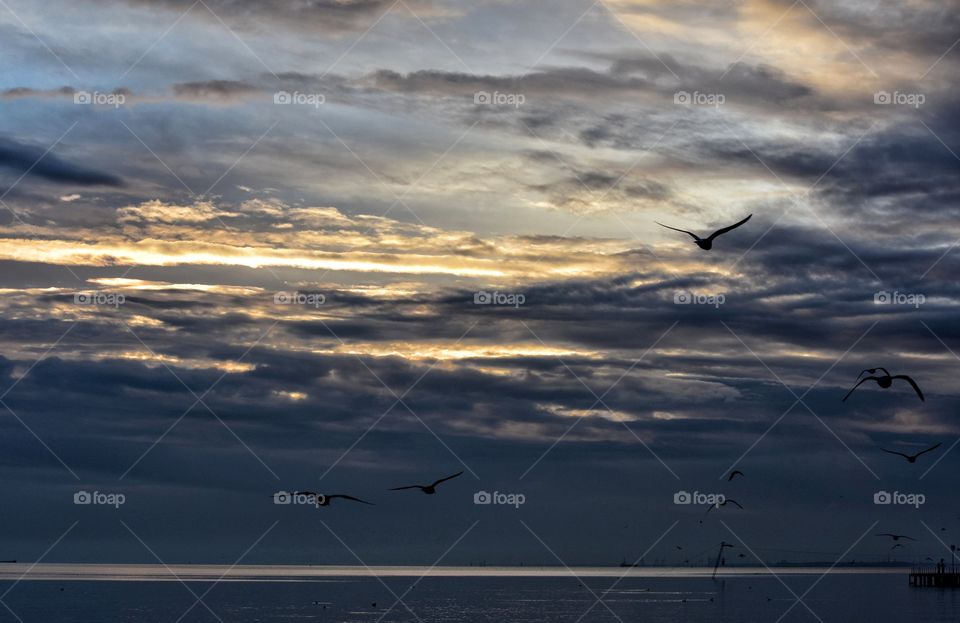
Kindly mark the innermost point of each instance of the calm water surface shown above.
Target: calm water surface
(260, 594)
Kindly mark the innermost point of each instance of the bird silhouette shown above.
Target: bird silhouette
(734, 474)
(706, 243)
(724, 503)
(428, 489)
(912, 458)
(884, 381)
(896, 537)
(322, 499)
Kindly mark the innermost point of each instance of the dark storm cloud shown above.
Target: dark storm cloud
(927, 27)
(32, 160)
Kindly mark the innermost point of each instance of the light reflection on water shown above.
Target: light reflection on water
(488, 594)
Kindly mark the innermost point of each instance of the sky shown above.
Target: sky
(349, 245)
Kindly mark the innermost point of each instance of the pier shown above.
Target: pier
(937, 576)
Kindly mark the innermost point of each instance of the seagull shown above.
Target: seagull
(428, 489)
(322, 499)
(912, 458)
(724, 503)
(734, 474)
(884, 381)
(896, 537)
(706, 243)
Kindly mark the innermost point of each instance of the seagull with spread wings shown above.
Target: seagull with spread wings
(706, 243)
(428, 489)
(912, 458)
(896, 537)
(321, 499)
(884, 380)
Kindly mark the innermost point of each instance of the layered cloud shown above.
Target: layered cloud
(351, 242)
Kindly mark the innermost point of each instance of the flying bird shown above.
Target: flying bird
(884, 381)
(706, 243)
(734, 474)
(724, 503)
(428, 489)
(321, 499)
(896, 537)
(912, 458)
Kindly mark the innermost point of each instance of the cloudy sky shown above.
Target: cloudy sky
(245, 247)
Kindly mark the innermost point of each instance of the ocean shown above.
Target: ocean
(147, 594)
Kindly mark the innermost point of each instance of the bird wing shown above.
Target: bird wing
(726, 229)
(909, 538)
(407, 487)
(690, 233)
(735, 503)
(859, 383)
(447, 478)
(349, 497)
(893, 452)
(913, 384)
(930, 448)
(734, 473)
